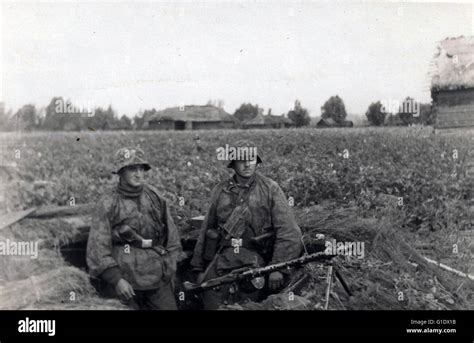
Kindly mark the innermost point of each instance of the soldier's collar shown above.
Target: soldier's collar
(233, 182)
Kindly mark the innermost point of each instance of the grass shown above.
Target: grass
(332, 193)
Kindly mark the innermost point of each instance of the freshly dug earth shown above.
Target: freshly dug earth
(391, 275)
(61, 288)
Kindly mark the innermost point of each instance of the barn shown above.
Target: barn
(329, 122)
(268, 122)
(452, 83)
(191, 118)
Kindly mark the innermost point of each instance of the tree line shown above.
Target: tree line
(393, 113)
(64, 115)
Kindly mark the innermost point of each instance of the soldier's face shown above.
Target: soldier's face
(245, 168)
(133, 175)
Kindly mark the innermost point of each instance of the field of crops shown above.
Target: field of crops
(312, 166)
(414, 177)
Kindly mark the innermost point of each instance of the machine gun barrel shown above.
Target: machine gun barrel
(251, 273)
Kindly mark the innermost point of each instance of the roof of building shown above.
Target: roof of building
(268, 120)
(205, 113)
(454, 64)
(327, 121)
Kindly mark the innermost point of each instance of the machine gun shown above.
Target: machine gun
(248, 273)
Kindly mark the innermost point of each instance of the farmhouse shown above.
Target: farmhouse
(452, 83)
(329, 122)
(191, 118)
(268, 122)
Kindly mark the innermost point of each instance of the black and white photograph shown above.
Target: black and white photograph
(237, 156)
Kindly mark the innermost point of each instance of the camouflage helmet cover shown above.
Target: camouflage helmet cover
(125, 157)
(245, 143)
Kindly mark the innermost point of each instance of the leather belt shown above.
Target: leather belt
(145, 244)
(234, 242)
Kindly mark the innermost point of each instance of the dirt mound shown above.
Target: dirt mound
(61, 285)
(392, 275)
(85, 303)
(46, 281)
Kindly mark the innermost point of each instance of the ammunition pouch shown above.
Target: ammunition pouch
(124, 234)
(214, 240)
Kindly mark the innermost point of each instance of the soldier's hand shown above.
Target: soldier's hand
(275, 280)
(124, 290)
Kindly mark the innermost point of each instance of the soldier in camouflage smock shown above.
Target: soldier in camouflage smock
(133, 242)
(249, 205)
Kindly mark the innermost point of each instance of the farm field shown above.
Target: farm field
(312, 166)
(407, 177)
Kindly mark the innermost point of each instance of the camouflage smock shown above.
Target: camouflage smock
(268, 212)
(148, 214)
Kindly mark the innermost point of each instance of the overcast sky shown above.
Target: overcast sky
(136, 56)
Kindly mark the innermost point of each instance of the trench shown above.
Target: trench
(75, 255)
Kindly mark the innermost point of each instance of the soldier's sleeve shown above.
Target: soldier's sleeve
(288, 244)
(210, 221)
(99, 247)
(173, 244)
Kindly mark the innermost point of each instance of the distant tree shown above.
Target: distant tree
(409, 111)
(3, 118)
(41, 116)
(53, 119)
(406, 118)
(426, 116)
(103, 119)
(9, 124)
(334, 108)
(147, 115)
(393, 120)
(216, 103)
(376, 114)
(138, 120)
(125, 123)
(299, 115)
(27, 117)
(412, 112)
(246, 112)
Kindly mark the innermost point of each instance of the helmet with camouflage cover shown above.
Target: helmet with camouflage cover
(245, 143)
(125, 157)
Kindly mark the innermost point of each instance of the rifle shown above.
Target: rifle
(247, 273)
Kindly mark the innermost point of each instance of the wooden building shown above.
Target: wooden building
(452, 83)
(268, 122)
(191, 118)
(329, 122)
